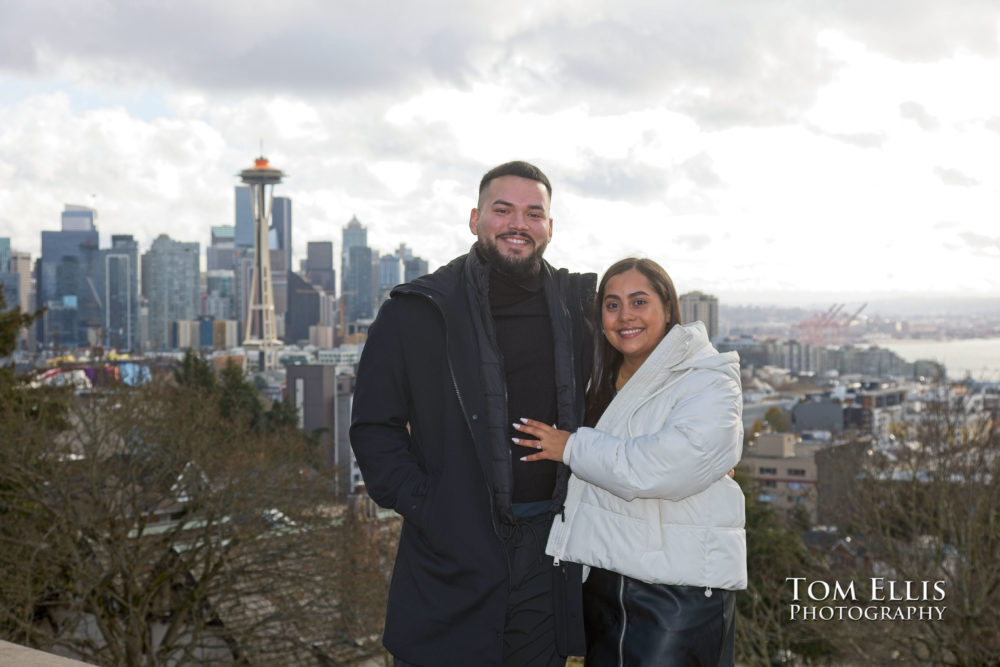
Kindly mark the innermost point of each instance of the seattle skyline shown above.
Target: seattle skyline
(762, 153)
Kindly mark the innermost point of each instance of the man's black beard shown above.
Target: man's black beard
(518, 269)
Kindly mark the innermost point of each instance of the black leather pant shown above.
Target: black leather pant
(631, 623)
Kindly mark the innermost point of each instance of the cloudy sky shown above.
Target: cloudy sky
(764, 151)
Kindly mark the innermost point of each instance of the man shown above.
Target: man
(451, 361)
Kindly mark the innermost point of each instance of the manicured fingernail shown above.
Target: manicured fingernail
(538, 446)
(524, 458)
(516, 441)
(517, 426)
(523, 420)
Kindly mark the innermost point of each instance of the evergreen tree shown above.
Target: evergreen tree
(194, 371)
(18, 400)
(239, 401)
(281, 415)
(765, 634)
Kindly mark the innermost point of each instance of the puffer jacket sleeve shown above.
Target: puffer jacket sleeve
(394, 476)
(698, 443)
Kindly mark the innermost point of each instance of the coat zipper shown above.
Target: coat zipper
(568, 289)
(621, 603)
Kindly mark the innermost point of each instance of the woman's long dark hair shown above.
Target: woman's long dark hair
(607, 360)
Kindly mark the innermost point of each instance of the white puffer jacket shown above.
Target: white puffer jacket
(650, 496)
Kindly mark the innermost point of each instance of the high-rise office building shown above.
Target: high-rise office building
(120, 272)
(279, 286)
(69, 281)
(219, 300)
(221, 251)
(319, 266)
(697, 306)
(20, 265)
(280, 232)
(357, 287)
(243, 243)
(79, 219)
(311, 297)
(322, 400)
(390, 273)
(354, 234)
(243, 225)
(242, 285)
(415, 267)
(10, 282)
(303, 309)
(4, 255)
(280, 242)
(170, 278)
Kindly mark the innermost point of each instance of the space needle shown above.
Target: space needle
(261, 344)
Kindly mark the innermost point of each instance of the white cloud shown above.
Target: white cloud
(749, 147)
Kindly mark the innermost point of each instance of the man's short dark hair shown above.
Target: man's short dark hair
(515, 168)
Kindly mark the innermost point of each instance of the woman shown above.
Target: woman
(650, 505)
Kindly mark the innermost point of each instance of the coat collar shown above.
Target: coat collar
(679, 351)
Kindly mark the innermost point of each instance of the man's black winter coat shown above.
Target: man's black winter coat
(420, 431)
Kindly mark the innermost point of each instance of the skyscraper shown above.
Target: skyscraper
(697, 306)
(357, 289)
(79, 219)
(243, 242)
(281, 228)
(303, 309)
(221, 251)
(170, 277)
(10, 282)
(121, 294)
(243, 225)
(319, 265)
(219, 300)
(68, 281)
(415, 267)
(280, 242)
(20, 265)
(354, 234)
(242, 285)
(391, 270)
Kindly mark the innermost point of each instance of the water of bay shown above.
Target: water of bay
(978, 358)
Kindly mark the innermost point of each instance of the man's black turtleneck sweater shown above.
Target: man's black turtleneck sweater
(524, 335)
